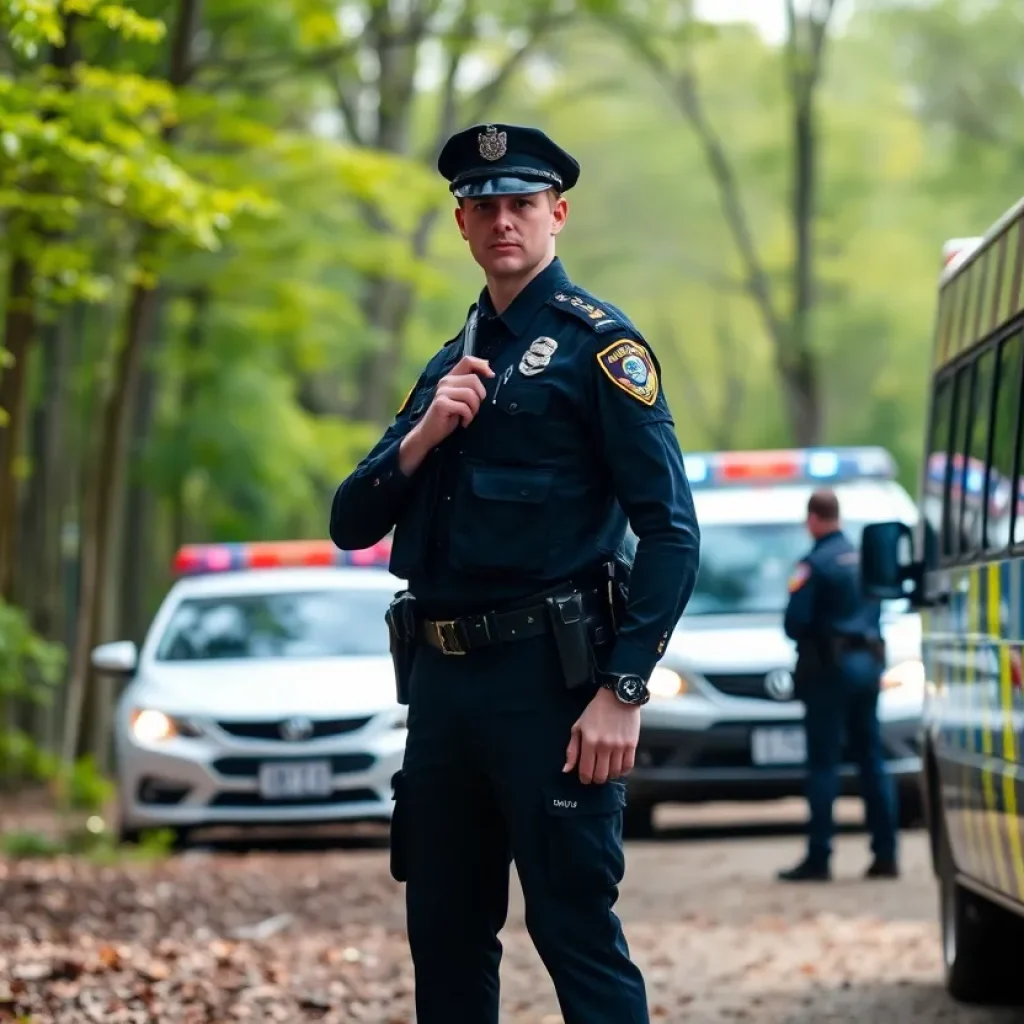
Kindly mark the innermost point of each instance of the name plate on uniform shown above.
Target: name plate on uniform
(293, 781)
(782, 745)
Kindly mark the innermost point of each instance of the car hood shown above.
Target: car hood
(757, 643)
(267, 689)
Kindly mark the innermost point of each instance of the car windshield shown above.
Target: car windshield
(745, 567)
(311, 624)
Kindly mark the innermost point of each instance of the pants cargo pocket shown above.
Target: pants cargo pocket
(398, 835)
(585, 835)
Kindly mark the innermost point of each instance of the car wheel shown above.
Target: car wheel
(638, 820)
(979, 940)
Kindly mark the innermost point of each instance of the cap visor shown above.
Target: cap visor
(499, 187)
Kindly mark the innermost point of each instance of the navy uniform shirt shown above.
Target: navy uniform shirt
(826, 597)
(573, 441)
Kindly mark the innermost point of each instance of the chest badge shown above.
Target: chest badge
(537, 356)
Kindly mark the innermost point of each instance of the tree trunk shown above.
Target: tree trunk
(98, 545)
(131, 615)
(88, 716)
(19, 331)
(798, 363)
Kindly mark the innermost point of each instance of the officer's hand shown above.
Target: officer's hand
(603, 740)
(456, 400)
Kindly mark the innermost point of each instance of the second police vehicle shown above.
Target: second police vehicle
(263, 694)
(723, 723)
(963, 568)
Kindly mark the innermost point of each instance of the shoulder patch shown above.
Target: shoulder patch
(801, 574)
(593, 314)
(628, 365)
(405, 401)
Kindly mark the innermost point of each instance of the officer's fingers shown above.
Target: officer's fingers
(448, 407)
(473, 364)
(588, 759)
(572, 752)
(466, 395)
(615, 758)
(466, 380)
(602, 764)
(628, 760)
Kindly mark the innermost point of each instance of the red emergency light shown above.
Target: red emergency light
(197, 559)
(759, 465)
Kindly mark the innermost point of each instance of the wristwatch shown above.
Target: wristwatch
(629, 689)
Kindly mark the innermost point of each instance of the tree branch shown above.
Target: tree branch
(684, 91)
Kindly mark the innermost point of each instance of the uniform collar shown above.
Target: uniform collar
(827, 537)
(525, 306)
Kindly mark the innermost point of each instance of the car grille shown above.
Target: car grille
(248, 767)
(341, 796)
(741, 685)
(272, 730)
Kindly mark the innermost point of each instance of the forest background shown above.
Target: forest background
(226, 255)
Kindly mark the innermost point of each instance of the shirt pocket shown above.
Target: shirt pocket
(523, 399)
(499, 520)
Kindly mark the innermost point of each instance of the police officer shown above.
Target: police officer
(840, 660)
(528, 445)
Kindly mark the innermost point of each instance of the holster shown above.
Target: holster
(571, 633)
(813, 667)
(401, 620)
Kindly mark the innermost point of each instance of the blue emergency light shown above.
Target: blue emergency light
(199, 559)
(771, 467)
(1000, 489)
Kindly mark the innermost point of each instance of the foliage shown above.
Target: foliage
(30, 669)
(279, 200)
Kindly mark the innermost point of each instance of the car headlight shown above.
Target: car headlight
(908, 674)
(150, 726)
(665, 684)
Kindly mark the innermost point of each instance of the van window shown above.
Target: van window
(936, 487)
(971, 475)
(999, 485)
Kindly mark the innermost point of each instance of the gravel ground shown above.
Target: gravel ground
(302, 936)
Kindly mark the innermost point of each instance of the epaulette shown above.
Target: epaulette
(597, 315)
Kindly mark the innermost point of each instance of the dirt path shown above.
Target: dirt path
(293, 937)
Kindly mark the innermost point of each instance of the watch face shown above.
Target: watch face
(630, 689)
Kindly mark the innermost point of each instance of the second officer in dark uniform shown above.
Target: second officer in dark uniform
(840, 660)
(510, 473)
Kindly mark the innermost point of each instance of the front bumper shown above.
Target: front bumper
(713, 759)
(215, 779)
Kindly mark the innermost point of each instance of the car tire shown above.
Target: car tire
(638, 820)
(980, 940)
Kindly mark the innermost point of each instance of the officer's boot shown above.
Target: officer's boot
(883, 867)
(810, 869)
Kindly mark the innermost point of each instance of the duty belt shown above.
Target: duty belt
(488, 629)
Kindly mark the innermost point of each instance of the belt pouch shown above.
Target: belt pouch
(572, 638)
(401, 620)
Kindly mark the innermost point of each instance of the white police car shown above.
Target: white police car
(722, 723)
(263, 694)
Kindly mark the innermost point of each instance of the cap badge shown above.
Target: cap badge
(493, 143)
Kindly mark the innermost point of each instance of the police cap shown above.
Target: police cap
(505, 160)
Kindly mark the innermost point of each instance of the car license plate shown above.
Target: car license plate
(778, 746)
(296, 780)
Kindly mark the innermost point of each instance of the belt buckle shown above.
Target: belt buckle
(444, 631)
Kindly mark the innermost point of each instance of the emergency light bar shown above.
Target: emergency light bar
(197, 559)
(1000, 489)
(707, 470)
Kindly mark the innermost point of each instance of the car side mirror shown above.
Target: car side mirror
(887, 566)
(119, 658)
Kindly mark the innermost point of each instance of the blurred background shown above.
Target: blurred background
(226, 254)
